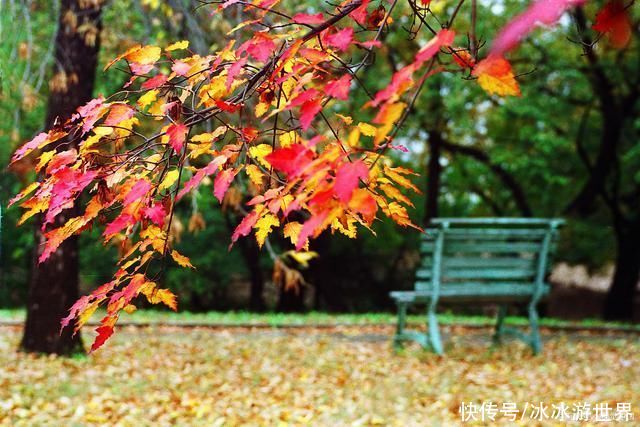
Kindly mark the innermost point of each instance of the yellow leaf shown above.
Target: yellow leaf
(210, 136)
(254, 174)
(350, 230)
(156, 237)
(261, 108)
(495, 76)
(44, 159)
(288, 138)
(178, 45)
(263, 227)
(390, 113)
(147, 98)
(129, 308)
(346, 119)
(354, 137)
(182, 260)
(144, 55)
(367, 129)
(86, 314)
(302, 258)
(169, 179)
(292, 231)
(258, 152)
(164, 296)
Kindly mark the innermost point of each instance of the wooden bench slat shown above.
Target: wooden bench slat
(480, 273)
(490, 233)
(482, 246)
(480, 262)
(471, 289)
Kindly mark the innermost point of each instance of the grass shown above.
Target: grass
(320, 318)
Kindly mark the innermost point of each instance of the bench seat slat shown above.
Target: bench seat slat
(483, 246)
(480, 262)
(470, 289)
(480, 273)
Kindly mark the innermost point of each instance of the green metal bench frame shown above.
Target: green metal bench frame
(501, 260)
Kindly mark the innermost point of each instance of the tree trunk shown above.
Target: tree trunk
(53, 286)
(434, 172)
(619, 303)
(251, 255)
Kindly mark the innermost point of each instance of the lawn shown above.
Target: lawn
(339, 376)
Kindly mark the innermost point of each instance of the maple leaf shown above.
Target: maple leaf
(182, 260)
(170, 178)
(138, 190)
(443, 38)
(155, 213)
(347, 178)
(614, 21)
(177, 46)
(260, 47)
(290, 160)
(364, 203)
(340, 39)
(181, 68)
(263, 227)
(246, 225)
(147, 98)
(339, 88)
(496, 77)
(165, 296)
(195, 180)
(177, 134)
(120, 223)
(118, 113)
(222, 182)
(540, 12)
(308, 112)
(311, 227)
(303, 18)
(154, 82)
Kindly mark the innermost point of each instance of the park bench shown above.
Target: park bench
(488, 260)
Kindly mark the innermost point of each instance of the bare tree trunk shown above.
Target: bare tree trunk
(53, 286)
(434, 173)
(619, 304)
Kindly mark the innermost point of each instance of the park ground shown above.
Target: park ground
(228, 372)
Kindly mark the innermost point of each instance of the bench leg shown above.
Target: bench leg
(497, 336)
(434, 332)
(536, 343)
(402, 319)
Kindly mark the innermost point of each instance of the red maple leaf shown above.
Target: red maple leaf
(614, 21)
(177, 134)
(308, 112)
(290, 160)
(339, 88)
(340, 39)
(347, 178)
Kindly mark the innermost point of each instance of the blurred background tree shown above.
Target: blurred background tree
(478, 156)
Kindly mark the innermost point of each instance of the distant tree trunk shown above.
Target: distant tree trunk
(53, 286)
(619, 303)
(291, 300)
(251, 255)
(434, 172)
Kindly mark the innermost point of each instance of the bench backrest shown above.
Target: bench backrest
(478, 251)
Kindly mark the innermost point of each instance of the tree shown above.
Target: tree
(54, 282)
(274, 97)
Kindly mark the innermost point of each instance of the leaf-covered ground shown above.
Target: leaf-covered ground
(330, 377)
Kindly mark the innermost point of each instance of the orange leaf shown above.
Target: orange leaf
(182, 260)
(496, 77)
